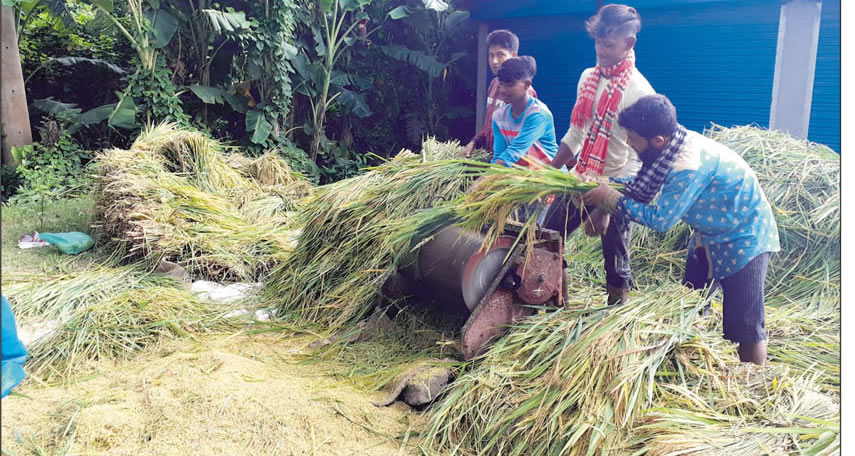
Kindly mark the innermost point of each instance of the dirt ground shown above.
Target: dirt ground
(229, 395)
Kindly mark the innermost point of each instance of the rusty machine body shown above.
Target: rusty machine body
(495, 286)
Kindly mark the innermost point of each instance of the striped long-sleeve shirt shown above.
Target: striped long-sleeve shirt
(484, 138)
(531, 135)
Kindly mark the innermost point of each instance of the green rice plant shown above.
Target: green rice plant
(120, 327)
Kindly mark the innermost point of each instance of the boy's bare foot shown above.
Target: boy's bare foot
(753, 353)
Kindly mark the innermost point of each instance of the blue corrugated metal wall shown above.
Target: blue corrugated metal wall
(715, 64)
(825, 107)
(715, 61)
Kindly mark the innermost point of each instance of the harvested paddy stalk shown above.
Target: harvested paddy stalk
(642, 378)
(55, 297)
(564, 382)
(176, 195)
(503, 190)
(121, 326)
(346, 248)
(708, 404)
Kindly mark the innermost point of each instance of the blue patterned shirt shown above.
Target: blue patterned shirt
(713, 190)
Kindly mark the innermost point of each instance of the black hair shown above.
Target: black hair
(504, 39)
(614, 20)
(650, 116)
(520, 68)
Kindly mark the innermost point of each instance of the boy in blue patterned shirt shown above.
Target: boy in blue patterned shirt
(712, 189)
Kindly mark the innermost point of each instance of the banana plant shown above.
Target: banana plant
(121, 114)
(152, 27)
(25, 9)
(435, 25)
(332, 35)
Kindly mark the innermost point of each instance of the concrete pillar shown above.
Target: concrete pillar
(795, 64)
(15, 118)
(481, 84)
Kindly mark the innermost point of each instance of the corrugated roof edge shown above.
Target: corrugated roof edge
(488, 10)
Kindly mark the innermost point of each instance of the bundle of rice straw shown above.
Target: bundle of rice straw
(346, 249)
(176, 195)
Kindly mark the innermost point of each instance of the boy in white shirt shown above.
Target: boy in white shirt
(596, 144)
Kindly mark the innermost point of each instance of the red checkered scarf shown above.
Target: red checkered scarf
(593, 156)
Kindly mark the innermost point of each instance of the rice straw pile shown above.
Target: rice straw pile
(346, 248)
(176, 195)
(565, 380)
(649, 378)
(802, 181)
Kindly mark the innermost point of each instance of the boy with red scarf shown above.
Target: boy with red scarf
(596, 144)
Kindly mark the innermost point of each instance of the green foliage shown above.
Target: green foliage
(51, 168)
(424, 62)
(372, 76)
(229, 21)
(155, 95)
(337, 162)
(60, 66)
(334, 30)
(121, 114)
(9, 181)
(268, 48)
(432, 47)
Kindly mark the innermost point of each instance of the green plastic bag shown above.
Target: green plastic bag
(69, 243)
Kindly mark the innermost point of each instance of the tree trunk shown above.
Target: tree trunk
(15, 116)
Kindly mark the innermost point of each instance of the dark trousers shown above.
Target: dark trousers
(563, 216)
(744, 310)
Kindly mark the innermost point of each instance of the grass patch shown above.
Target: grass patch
(74, 214)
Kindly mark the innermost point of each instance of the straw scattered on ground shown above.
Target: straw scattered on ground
(120, 327)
